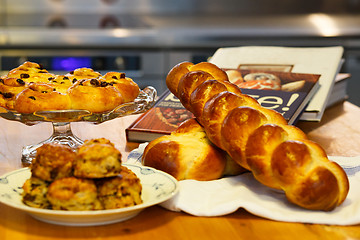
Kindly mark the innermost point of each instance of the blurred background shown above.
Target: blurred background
(145, 38)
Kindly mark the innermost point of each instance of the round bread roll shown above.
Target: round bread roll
(61, 83)
(188, 154)
(30, 88)
(40, 97)
(83, 73)
(73, 194)
(9, 89)
(97, 159)
(120, 191)
(34, 193)
(94, 96)
(53, 161)
(126, 86)
(30, 72)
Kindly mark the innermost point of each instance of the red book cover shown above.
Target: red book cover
(162, 119)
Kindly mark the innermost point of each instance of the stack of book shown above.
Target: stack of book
(297, 82)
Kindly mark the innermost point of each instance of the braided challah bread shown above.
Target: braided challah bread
(258, 139)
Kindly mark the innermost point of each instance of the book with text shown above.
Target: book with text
(285, 92)
(324, 61)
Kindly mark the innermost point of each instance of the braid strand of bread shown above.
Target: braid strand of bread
(279, 155)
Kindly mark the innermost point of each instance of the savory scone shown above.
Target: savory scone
(97, 159)
(34, 193)
(53, 161)
(123, 190)
(73, 194)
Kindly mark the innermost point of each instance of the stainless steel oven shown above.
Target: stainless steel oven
(145, 38)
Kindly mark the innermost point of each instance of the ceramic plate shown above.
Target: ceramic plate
(157, 187)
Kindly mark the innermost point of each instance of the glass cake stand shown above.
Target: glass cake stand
(61, 120)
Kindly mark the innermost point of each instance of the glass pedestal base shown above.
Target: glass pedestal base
(62, 134)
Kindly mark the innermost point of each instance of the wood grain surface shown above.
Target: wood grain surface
(338, 133)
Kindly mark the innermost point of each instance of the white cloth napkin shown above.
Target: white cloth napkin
(226, 195)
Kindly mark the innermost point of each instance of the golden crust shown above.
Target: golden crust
(99, 175)
(41, 97)
(73, 194)
(205, 91)
(53, 161)
(188, 83)
(23, 90)
(126, 86)
(177, 72)
(97, 160)
(83, 73)
(34, 193)
(120, 191)
(187, 154)
(260, 140)
(91, 95)
(260, 146)
(30, 72)
(216, 109)
(9, 89)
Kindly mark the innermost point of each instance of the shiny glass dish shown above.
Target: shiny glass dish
(61, 120)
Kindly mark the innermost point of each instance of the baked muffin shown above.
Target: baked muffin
(53, 161)
(97, 159)
(34, 193)
(121, 191)
(74, 194)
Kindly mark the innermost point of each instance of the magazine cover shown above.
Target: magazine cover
(325, 61)
(286, 92)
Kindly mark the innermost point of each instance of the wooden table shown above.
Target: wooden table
(338, 133)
